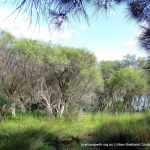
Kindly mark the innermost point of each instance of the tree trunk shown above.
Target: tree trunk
(61, 105)
(139, 99)
(144, 104)
(23, 109)
(114, 105)
(49, 111)
(127, 103)
(48, 107)
(129, 106)
(61, 109)
(13, 110)
(124, 107)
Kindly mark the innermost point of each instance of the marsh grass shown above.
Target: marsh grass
(30, 132)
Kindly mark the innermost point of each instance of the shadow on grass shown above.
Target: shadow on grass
(30, 139)
(37, 139)
(128, 135)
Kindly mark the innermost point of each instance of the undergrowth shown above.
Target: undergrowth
(33, 132)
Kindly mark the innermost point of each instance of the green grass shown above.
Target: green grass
(28, 132)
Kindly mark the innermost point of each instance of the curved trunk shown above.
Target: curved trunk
(48, 107)
(49, 111)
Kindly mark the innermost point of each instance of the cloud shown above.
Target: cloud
(77, 34)
(84, 27)
(19, 27)
(131, 42)
(116, 54)
(107, 54)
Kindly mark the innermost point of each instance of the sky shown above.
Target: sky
(109, 37)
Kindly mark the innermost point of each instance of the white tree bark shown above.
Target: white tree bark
(62, 109)
(13, 110)
(48, 107)
(23, 109)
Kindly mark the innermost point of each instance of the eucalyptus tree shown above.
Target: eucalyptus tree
(105, 95)
(127, 83)
(11, 77)
(59, 78)
(8, 71)
(73, 82)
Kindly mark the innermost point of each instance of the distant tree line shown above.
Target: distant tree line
(59, 80)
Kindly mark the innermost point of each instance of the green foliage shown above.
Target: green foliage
(130, 61)
(108, 68)
(57, 54)
(40, 51)
(4, 101)
(119, 105)
(134, 81)
(6, 37)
